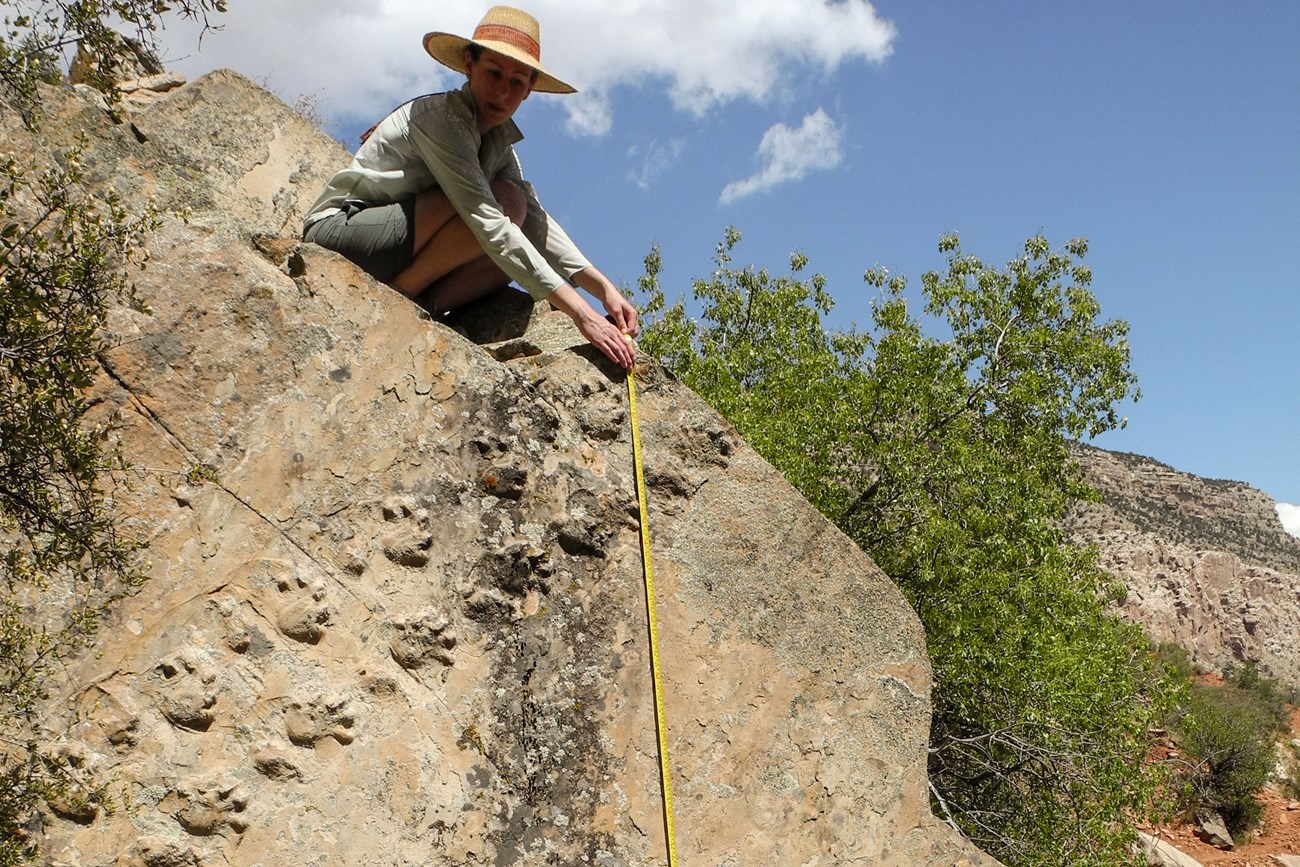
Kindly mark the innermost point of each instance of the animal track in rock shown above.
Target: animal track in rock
(75, 806)
(208, 808)
(515, 569)
(189, 695)
(117, 722)
(508, 584)
(304, 613)
(425, 639)
(275, 766)
(160, 852)
(122, 733)
(409, 542)
(505, 481)
(307, 722)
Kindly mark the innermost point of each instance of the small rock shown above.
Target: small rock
(1159, 853)
(158, 83)
(1214, 831)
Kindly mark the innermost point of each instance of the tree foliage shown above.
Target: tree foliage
(38, 33)
(63, 254)
(946, 460)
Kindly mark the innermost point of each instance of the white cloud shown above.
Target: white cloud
(1290, 517)
(357, 59)
(653, 160)
(364, 56)
(789, 154)
(590, 113)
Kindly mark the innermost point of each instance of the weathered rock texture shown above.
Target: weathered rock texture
(398, 617)
(1160, 853)
(1206, 564)
(137, 74)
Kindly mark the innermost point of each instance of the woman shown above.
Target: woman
(435, 201)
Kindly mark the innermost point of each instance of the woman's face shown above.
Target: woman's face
(499, 84)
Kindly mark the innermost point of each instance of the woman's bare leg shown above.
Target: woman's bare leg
(468, 282)
(447, 253)
(451, 247)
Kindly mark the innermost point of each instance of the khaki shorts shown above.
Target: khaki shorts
(379, 238)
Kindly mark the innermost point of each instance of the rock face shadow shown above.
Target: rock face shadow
(497, 316)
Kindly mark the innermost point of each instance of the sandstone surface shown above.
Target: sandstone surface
(1159, 853)
(395, 611)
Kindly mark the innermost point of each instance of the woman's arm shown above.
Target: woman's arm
(599, 331)
(599, 286)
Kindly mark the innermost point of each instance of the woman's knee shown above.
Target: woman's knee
(513, 202)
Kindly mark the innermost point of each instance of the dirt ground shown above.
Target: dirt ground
(1280, 834)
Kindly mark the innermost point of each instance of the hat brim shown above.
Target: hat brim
(449, 50)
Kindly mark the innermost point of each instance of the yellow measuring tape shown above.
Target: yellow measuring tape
(661, 722)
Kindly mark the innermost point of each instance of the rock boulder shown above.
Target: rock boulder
(395, 614)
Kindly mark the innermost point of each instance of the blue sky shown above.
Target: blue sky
(1167, 133)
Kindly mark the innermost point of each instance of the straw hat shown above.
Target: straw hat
(507, 31)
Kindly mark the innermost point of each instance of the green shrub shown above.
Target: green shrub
(58, 274)
(1174, 661)
(63, 250)
(1228, 736)
(1271, 696)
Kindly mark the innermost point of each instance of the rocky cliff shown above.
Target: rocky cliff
(394, 613)
(1206, 564)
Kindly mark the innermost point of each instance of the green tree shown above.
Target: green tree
(63, 251)
(946, 460)
(37, 34)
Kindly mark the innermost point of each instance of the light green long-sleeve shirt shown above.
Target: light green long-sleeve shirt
(433, 141)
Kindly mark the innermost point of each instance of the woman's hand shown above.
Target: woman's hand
(599, 331)
(607, 337)
(623, 313)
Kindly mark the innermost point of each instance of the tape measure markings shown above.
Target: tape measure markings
(661, 721)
